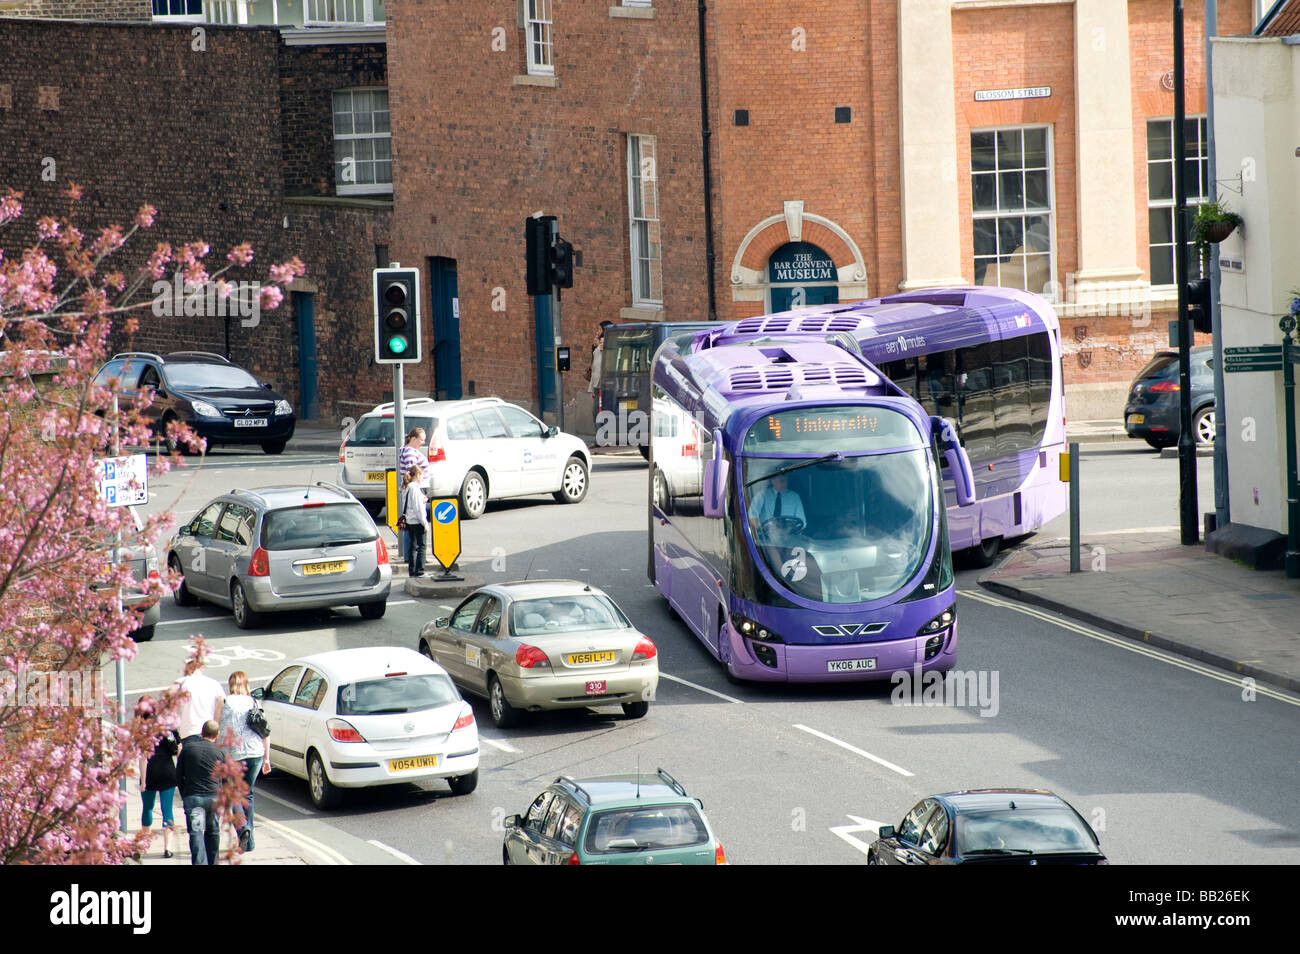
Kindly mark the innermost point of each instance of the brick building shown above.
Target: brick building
(271, 133)
(854, 149)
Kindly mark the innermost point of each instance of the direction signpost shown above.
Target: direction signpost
(446, 535)
(1282, 358)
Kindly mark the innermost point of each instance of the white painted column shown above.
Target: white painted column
(1107, 212)
(928, 146)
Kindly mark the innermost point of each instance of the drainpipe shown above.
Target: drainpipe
(1222, 515)
(706, 135)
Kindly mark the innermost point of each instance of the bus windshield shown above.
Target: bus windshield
(841, 529)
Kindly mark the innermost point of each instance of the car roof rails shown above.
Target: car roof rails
(675, 785)
(199, 354)
(568, 782)
(329, 485)
(139, 354)
(409, 401)
(248, 493)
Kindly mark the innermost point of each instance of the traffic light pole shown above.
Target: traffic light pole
(399, 426)
(559, 378)
(1187, 499)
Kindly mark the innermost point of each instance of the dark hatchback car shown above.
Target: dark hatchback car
(220, 401)
(995, 826)
(1151, 412)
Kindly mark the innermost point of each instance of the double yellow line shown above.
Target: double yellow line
(1133, 647)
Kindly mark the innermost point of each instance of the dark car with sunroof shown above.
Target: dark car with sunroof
(1151, 412)
(220, 401)
(991, 826)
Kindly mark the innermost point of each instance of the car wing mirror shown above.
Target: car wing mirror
(442, 621)
(963, 477)
(716, 472)
(258, 694)
(886, 831)
(513, 821)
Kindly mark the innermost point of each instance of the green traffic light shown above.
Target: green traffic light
(396, 344)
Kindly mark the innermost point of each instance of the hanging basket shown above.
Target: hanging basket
(1216, 232)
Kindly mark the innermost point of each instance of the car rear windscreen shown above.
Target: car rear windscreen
(396, 694)
(652, 827)
(1041, 831)
(296, 528)
(1157, 365)
(377, 431)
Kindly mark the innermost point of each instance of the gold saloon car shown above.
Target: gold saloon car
(558, 644)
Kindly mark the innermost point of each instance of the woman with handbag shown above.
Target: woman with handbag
(245, 743)
(414, 520)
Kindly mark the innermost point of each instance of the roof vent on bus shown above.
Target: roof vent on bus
(808, 324)
(783, 377)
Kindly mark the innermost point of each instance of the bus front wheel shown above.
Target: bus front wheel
(986, 551)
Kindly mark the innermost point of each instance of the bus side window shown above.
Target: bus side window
(1040, 384)
(1011, 407)
(975, 400)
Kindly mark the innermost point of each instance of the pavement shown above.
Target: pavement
(276, 843)
(1144, 584)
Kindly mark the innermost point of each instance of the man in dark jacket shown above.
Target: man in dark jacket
(199, 794)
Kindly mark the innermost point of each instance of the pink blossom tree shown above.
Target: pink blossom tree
(62, 753)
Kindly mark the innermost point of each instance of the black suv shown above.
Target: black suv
(217, 399)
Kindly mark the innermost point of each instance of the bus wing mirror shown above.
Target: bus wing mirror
(716, 472)
(963, 477)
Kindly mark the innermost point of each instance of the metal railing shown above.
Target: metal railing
(225, 12)
(336, 12)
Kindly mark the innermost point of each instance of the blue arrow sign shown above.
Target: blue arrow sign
(445, 512)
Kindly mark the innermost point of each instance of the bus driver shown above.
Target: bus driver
(777, 503)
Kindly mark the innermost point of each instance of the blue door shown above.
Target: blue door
(304, 307)
(446, 329)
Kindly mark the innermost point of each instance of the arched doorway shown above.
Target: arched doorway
(801, 274)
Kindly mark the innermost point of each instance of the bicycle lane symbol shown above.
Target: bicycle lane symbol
(228, 654)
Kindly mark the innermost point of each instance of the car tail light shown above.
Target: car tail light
(341, 731)
(719, 856)
(644, 649)
(573, 859)
(381, 552)
(152, 568)
(436, 451)
(530, 657)
(1165, 387)
(260, 563)
(465, 721)
(342, 448)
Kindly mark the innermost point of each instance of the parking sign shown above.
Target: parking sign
(124, 481)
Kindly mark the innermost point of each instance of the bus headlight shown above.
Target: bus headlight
(752, 630)
(940, 622)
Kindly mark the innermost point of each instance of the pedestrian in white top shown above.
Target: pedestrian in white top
(414, 509)
(203, 700)
(240, 742)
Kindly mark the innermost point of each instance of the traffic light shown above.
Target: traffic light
(538, 232)
(561, 264)
(397, 315)
(1199, 307)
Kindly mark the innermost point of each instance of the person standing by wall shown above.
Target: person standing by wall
(594, 372)
(158, 776)
(240, 742)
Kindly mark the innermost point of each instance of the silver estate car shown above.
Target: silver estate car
(282, 548)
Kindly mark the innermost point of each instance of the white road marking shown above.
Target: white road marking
(855, 750)
(503, 746)
(200, 619)
(403, 856)
(712, 692)
(442, 606)
(1132, 646)
(260, 792)
(330, 856)
(859, 824)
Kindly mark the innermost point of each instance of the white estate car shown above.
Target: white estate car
(477, 449)
(354, 718)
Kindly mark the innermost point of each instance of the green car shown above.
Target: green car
(613, 820)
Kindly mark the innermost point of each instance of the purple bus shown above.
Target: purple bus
(988, 358)
(801, 533)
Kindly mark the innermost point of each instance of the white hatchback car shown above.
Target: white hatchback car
(478, 449)
(355, 718)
